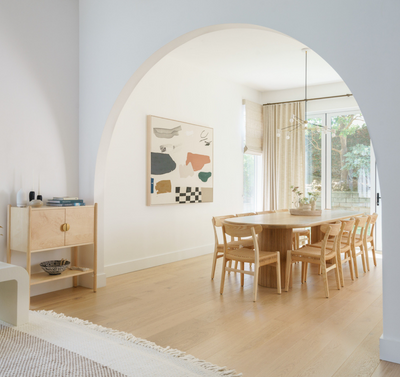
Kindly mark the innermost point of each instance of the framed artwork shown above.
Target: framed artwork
(179, 162)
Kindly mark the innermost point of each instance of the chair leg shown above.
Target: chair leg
(303, 268)
(319, 270)
(278, 273)
(288, 269)
(230, 265)
(236, 265)
(339, 265)
(223, 275)
(373, 252)
(242, 274)
(325, 276)
(366, 254)
(351, 265)
(255, 283)
(353, 251)
(363, 258)
(337, 275)
(214, 263)
(305, 272)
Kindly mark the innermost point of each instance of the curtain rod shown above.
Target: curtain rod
(309, 99)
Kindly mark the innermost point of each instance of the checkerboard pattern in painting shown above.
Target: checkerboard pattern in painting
(187, 195)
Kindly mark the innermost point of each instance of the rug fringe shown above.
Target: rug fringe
(222, 371)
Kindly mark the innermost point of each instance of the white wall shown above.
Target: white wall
(315, 91)
(39, 107)
(121, 40)
(138, 236)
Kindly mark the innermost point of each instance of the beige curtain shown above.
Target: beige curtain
(254, 126)
(284, 159)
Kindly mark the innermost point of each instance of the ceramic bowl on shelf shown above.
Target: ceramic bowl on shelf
(55, 267)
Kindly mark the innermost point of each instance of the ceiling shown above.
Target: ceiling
(259, 59)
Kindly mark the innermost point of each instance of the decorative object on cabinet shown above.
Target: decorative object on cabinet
(21, 198)
(55, 267)
(35, 203)
(179, 162)
(65, 202)
(32, 230)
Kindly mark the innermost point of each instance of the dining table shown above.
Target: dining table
(277, 234)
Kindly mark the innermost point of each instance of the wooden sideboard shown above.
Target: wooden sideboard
(32, 230)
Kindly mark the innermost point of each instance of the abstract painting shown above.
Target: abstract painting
(180, 162)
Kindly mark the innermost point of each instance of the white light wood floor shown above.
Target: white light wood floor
(298, 333)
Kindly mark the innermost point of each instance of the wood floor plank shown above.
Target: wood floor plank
(297, 333)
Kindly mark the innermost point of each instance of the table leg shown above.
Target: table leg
(274, 240)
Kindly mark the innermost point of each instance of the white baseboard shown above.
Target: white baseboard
(87, 280)
(156, 260)
(389, 350)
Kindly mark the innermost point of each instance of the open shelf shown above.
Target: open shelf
(44, 277)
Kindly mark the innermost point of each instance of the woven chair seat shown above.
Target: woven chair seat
(311, 252)
(247, 255)
(329, 245)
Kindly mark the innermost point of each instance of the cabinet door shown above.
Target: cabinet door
(46, 229)
(81, 222)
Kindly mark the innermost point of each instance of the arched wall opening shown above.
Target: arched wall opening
(101, 165)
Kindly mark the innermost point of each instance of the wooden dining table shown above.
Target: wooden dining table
(277, 234)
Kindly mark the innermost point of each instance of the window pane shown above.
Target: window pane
(252, 183)
(249, 180)
(350, 156)
(313, 157)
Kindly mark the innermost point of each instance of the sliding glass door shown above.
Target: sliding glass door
(338, 161)
(349, 159)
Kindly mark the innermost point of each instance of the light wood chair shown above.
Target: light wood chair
(248, 240)
(246, 255)
(343, 247)
(308, 254)
(300, 232)
(357, 240)
(369, 238)
(217, 222)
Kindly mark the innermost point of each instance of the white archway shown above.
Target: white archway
(119, 104)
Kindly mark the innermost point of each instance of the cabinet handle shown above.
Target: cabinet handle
(65, 227)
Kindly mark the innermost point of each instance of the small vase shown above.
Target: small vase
(313, 205)
(21, 198)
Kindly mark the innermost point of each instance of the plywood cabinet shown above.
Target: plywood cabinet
(32, 230)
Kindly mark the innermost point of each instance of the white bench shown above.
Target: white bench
(14, 294)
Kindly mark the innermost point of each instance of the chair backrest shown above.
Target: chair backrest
(246, 214)
(330, 230)
(372, 221)
(234, 230)
(244, 231)
(265, 212)
(347, 227)
(361, 223)
(218, 221)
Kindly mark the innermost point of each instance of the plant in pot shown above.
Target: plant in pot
(313, 196)
(298, 201)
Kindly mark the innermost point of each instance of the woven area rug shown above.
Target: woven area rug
(53, 345)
